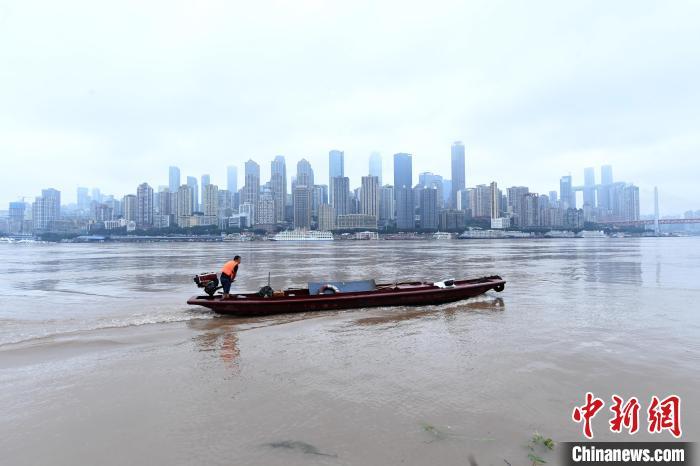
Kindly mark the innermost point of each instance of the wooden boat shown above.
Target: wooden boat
(343, 295)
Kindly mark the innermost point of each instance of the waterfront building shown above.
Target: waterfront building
(266, 211)
(369, 196)
(144, 206)
(326, 217)
(185, 207)
(83, 199)
(606, 175)
(405, 218)
(567, 195)
(481, 201)
(431, 180)
(515, 195)
(302, 207)
(225, 204)
(553, 199)
(458, 171)
(530, 210)
(452, 220)
(205, 181)
(336, 168)
(375, 166)
(194, 192)
(129, 207)
(251, 188)
(403, 170)
(319, 195)
(428, 208)
(500, 223)
(305, 174)
(495, 200)
(173, 179)
(210, 201)
(589, 187)
(46, 210)
(165, 205)
(340, 199)
(15, 218)
(96, 195)
(278, 185)
(356, 222)
(247, 209)
(232, 179)
(386, 205)
(604, 190)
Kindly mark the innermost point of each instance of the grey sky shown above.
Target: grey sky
(108, 94)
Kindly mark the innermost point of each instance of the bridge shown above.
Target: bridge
(662, 221)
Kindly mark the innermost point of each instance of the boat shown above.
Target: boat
(303, 235)
(441, 235)
(323, 296)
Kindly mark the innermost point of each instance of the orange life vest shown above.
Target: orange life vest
(230, 268)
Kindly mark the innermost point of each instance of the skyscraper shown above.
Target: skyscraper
(403, 170)
(184, 205)
(495, 200)
(251, 188)
(232, 178)
(83, 199)
(589, 187)
(606, 175)
(210, 201)
(278, 185)
(386, 205)
(266, 208)
(305, 174)
(144, 206)
(567, 195)
(46, 209)
(130, 207)
(336, 168)
(173, 179)
(428, 208)
(458, 171)
(431, 180)
(375, 166)
(515, 195)
(16, 217)
(206, 181)
(302, 207)
(405, 219)
(192, 183)
(341, 195)
(369, 197)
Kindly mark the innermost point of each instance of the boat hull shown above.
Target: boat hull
(411, 294)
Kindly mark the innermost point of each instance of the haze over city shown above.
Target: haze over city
(109, 96)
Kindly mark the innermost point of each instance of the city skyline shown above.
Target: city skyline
(199, 87)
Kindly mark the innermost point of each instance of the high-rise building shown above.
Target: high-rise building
(459, 172)
(567, 195)
(251, 188)
(375, 166)
(403, 171)
(495, 200)
(83, 199)
(553, 197)
(144, 206)
(405, 218)
(16, 217)
(530, 210)
(210, 200)
(481, 201)
(130, 207)
(225, 202)
(205, 181)
(173, 179)
(232, 178)
(589, 187)
(515, 195)
(192, 183)
(305, 174)
(606, 175)
(340, 199)
(369, 198)
(302, 207)
(326, 217)
(428, 208)
(431, 180)
(319, 195)
(96, 195)
(266, 209)
(387, 210)
(336, 168)
(185, 209)
(278, 185)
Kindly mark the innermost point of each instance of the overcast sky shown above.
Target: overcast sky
(109, 94)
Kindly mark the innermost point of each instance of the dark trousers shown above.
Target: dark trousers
(226, 283)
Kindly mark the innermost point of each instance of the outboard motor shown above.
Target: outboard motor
(209, 281)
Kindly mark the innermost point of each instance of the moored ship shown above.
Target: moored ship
(303, 235)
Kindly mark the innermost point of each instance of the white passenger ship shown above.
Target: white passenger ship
(303, 235)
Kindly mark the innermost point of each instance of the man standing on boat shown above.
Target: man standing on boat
(228, 274)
